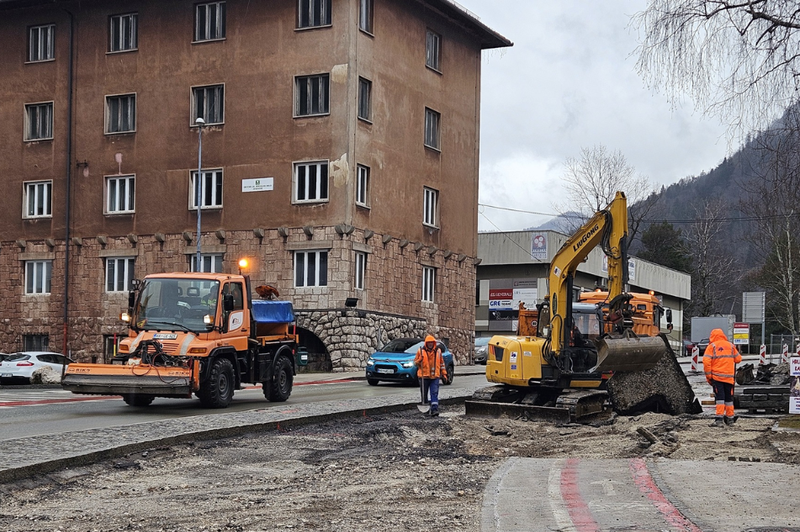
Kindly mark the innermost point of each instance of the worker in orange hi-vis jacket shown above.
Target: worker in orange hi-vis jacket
(719, 363)
(430, 368)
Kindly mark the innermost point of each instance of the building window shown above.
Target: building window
(365, 15)
(312, 95)
(361, 269)
(208, 103)
(35, 342)
(209, 263)
(362, 185)
(119, 273)
(123, 32)
(209, 21)
(37, 276)
(121, 113)
(364, 99)
(432, 119)
(310, 268)
(120, 194)
(211, 190)
(430, 204)
(311, 13)
(38, 199)
(41, 43)
(433, 50)
(428, 283)
(311, 181)
(39, 121)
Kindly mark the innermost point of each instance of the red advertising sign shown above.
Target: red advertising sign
(501, 293)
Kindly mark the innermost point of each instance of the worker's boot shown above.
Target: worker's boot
(731, 420)
(717, 423)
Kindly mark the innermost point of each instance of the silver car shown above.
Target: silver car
(481, 349)
(20, 366)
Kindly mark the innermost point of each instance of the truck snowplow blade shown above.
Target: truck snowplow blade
(629, 354)
(108, 379)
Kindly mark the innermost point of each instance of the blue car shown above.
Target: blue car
(394, 362)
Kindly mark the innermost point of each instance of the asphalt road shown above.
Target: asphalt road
(27, 411)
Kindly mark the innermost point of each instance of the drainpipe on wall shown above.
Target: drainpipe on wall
(64, 349)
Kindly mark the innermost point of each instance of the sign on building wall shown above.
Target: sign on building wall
(505, 295)
(539, 246)
(794, 385)
(257, 184)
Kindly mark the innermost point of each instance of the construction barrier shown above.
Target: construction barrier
(762, 355)
(785, 354)
(695, 357)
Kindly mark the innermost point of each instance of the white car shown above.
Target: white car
(20, 366)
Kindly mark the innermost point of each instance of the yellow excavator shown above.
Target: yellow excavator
(560, 364)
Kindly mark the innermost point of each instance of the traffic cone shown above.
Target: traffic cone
(762, 355)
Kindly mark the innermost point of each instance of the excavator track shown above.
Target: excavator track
(570, 406)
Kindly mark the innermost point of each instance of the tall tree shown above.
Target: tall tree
(738, 59)
(664, 245)
(773, 203)
(714, 270)
(592, 181)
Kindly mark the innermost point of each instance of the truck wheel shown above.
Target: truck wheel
(138, 399)
(217, 391)
(450, 374)
(280, 387)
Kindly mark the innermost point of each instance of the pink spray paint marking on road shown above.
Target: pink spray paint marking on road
(646, 484)
(578, 510)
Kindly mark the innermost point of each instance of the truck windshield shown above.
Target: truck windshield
(176, 304)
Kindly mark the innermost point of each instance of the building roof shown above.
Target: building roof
(459, 15)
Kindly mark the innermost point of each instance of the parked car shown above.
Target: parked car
(3, 356)
(394, 362)
(481, 352)
(20, 366)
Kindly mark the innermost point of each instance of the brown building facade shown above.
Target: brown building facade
(339, 154)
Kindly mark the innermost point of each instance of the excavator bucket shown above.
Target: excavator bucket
(629, 354)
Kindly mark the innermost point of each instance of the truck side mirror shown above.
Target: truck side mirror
(669, 315)
(227, 302)
(131, 301)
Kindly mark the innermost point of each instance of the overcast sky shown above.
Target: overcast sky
(570, 82)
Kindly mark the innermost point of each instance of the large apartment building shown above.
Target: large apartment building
(338, 153)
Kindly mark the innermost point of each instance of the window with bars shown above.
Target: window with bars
(362, 185)
(361, 270)
(38, 199)
(39, 121)
(433, 50)
(312, 13)
(35, 342)
(209, 104)
(120, 194)
(310, 268)
(209, 263)
(312, 95)
(428, 283)
(37, 276)
(123, 32)
(430, 206)
(365, 15)
(119, 272)
(310, 181)
(432, 119)
(209, 21)
(41, 43)
(364, 99)
(121, 113)
(210, 190)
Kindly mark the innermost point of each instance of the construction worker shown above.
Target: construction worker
(430, 368)
(719, 363)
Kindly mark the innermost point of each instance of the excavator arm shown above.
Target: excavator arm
(607, 228)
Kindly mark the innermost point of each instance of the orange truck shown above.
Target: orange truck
(196, 333)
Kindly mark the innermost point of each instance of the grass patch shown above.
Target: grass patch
(789, 422)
